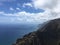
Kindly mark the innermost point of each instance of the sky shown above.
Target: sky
(28, 11)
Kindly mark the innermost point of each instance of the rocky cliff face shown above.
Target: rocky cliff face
(49, 34)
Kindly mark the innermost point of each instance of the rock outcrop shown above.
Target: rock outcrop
(49, 34)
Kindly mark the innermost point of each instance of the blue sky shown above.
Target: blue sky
(14, 4)
(28, 11)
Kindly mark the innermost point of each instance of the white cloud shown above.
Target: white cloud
(44, 3)
(29, 17)
(51, 7)
(11, 9)
(17, 8)
(1, 12)
(27, 4)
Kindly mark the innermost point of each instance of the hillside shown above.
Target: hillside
(49, 34)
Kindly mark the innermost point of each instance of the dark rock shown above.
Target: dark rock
(49, 34)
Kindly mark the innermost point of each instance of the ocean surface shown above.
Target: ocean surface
(10, 33)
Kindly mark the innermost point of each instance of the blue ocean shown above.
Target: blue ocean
(11, 32)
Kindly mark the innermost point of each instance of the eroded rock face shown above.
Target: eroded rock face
(49, 34)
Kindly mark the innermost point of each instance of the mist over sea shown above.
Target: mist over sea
(9, 33)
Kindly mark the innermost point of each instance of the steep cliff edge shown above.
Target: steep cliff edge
(49, 34)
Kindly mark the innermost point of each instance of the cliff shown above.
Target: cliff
(49, 34)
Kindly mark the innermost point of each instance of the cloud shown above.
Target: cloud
(1, 12)
(25, 17)
(44, 3)
(11, 9)
(28, 17)
(18, 9)
(51, 7)
(27, 4)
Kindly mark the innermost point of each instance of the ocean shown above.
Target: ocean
(10, 33)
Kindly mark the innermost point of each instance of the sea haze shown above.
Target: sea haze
(9, 33)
